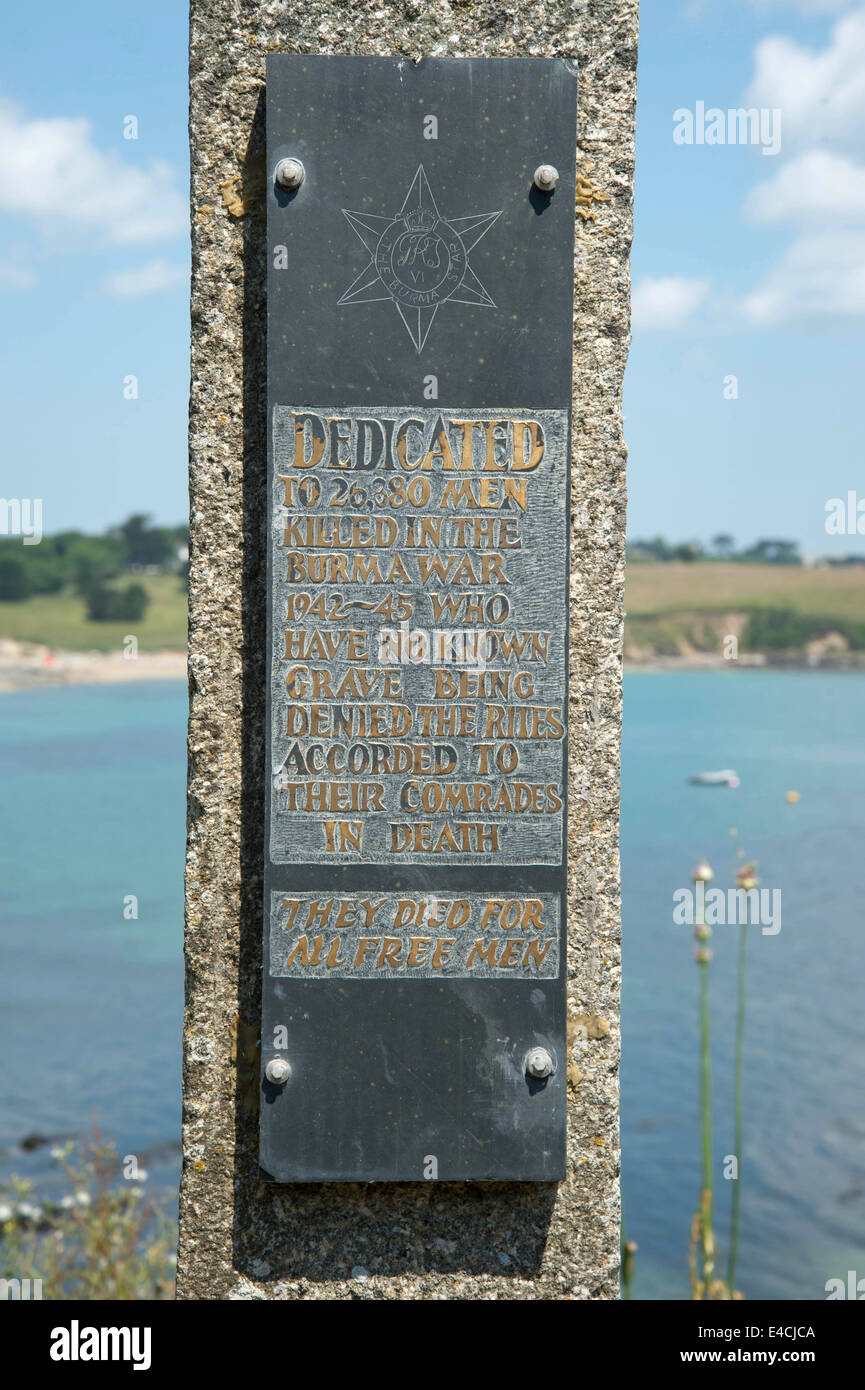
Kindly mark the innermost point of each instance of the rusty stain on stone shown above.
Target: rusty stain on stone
(231, 197)
(587, 195)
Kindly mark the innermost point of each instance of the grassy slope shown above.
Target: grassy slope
(655, 597)
(717, 588)
(676, 608)
(59, 620)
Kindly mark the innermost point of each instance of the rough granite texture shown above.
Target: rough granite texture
(240, 1238)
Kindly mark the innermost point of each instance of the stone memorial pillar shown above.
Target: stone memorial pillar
(410, 319)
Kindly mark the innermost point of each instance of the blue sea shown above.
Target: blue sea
(92, 831)
(803, 1170)
(92, 816)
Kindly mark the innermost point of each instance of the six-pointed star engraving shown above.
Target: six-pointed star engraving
(419, 259)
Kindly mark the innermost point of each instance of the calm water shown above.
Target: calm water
(91, 813)
(90, 1003)
(803, 1199)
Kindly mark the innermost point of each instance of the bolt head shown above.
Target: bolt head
(539, 1063)
(290, 173)
(546, 176)
(277, 1071)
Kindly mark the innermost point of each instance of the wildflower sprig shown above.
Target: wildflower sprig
(104, 1238)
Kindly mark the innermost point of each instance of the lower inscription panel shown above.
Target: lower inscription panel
(461, 988)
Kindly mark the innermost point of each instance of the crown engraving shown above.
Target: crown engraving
(420, 220)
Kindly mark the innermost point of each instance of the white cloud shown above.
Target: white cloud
(146, 279)
(52, 171)
(817, 188)
(820, 190)
(820, 274)
(821, 93)
(16, 277)
(815, 7)
(666, 301)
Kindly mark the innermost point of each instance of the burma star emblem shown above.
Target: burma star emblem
(419, 259)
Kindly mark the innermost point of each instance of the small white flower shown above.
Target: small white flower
(82, 1198)
(5, 1211)
(67, 1202)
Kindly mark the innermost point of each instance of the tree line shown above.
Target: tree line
(90, 566)
(720, 547)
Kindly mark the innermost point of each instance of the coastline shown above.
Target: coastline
(31, 665)
(753, 661)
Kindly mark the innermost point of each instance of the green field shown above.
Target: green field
(663, 601)
(60, 620)
(654, 590)
(676, 607)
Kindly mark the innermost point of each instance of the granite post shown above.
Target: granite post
(239, 1237)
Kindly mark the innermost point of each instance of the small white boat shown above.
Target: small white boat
(726, 778)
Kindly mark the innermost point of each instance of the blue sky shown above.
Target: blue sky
(744, 264)
(69, 338)
(781, 272)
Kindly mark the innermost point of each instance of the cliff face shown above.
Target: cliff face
(741, 639)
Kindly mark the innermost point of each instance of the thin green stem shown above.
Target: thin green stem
(705, 1089)
(737, 1134)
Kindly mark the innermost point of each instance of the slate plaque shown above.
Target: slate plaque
(420, 300)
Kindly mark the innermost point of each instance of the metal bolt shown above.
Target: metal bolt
(290, 174)
(545, 177)
(277, 1071)
(539, 1063)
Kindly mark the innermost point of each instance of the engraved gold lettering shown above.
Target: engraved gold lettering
(317, 441)
(442, 951)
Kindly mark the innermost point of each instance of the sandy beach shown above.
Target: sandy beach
(27, 665)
